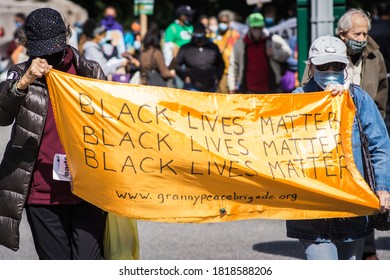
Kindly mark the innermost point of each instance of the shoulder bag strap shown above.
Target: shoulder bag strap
(366, 158)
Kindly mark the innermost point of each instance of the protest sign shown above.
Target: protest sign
(172, 155)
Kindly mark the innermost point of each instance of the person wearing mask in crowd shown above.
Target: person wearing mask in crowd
(199, 63)
(366, 65)
(152, 57)
(255, 64)
(269, 12)
(212, 28)
(343, 238)
(93, 48)
(114, 32)
(367, 69)
(225, 41)
(15, 49)
(64, 226)
(133, 38)
(178, 33)
(109, 19)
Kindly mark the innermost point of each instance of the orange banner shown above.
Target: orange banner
(171, 155)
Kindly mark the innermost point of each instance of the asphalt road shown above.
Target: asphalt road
(241, 240)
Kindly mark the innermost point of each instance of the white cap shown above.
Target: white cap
(327, 49)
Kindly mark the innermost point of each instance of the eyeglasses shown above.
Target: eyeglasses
(336, 66)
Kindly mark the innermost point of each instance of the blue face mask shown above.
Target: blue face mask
(137, 45)
(223, 26)
(324, 78)
(269, 20)
(102, 42)
(18, 24)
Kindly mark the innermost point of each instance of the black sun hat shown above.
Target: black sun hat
(45, 32)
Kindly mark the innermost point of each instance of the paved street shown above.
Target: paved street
(246, 240)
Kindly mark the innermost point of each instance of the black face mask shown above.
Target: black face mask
(55, 59)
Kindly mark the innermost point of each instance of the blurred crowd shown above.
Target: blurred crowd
(191, 53)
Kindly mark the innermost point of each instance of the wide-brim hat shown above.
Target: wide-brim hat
(45, 32)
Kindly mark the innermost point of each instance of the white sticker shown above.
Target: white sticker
(61, 168)
(13, 75)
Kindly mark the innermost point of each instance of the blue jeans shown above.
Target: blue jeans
(333, 250)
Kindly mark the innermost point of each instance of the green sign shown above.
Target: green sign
(143, 7)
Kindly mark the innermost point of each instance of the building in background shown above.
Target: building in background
(71, 12)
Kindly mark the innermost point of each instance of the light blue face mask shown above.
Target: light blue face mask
(137, 45)
(269, 21)
(324, 78)
(102, 42)
(18, 24)
(223, 26)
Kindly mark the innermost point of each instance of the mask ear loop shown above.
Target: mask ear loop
(345, 74)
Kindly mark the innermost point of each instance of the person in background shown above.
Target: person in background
(19, 20)
(93, 48)
(178, 33)
(133, 38)
(225, 41)
(109, 19)
(199, 63)
(366, 65)
(290, 79)
(64, 226)
(367, 68)
(114, 33)
(235, 23)
(212, 28)
(203, 19)
(152, 58)
(256, 62)
(343, 238)
(269, 12)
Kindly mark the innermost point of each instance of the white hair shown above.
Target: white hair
(345, 22)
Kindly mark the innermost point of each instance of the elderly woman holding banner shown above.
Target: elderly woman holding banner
(63, 226)
(334, 239)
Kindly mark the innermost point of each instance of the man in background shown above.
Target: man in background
(178, 33)
(256, 62)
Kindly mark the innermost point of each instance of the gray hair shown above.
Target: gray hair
(345, 22)
(227, 13)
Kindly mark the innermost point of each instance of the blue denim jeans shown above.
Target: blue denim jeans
(333, 250)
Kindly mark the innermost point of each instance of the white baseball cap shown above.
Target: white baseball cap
(327, 49)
